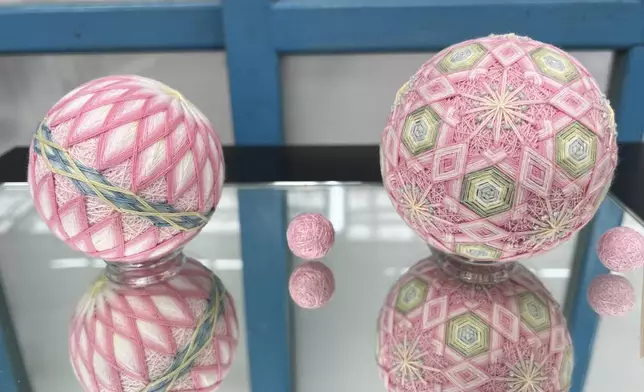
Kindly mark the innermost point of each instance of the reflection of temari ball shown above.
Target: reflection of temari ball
(498, 148)
(621, 249)
(437, 333)
(310, 236)
(175, 336)
(611, 295)
(126, 169)
(311, 285)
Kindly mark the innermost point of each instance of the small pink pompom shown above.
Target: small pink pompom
(621, 249)
(310, 236)
(311, 285)
(611, 295)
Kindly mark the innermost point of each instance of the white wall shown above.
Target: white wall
(30, 85)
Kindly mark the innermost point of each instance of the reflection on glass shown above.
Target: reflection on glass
(375, 248)
(43, 280)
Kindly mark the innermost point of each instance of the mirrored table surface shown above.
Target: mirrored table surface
(331, 348)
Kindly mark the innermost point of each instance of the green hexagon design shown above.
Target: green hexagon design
(534, 312)
(462, 58)
(487, 192)
(468, 335)
(576, 149)
(478, 252)
(555, 65)
(420, 130)
(411, 295)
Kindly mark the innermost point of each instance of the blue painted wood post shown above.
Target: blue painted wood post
(583, 321)
(254, 73)
(13, 375)
(253, 70)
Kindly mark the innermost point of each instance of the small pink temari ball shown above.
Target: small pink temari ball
(310, 236)
(311, 285)
(178, 336)
(498, 148)
(124, 168)
(621, 249)
(438, 333)
(611, 295)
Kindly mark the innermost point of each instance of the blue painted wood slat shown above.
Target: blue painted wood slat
(116, 27)
(404, 25)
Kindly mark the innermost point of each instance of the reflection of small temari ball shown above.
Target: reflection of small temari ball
(311, 284)
(621, 249)
(437, 333)
(125, 168)
(498, 148)
(175, 336)
(310, 236)
(611, 295)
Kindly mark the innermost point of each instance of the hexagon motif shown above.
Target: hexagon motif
(477, 251)
(462, 58)
(411, 295)
(420, 130)
(567, 365)
(554, 65)
(576, 150)
(468, 335)
(534, 312)
(487, 192)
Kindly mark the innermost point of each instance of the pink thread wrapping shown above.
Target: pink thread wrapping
(498, 148)
(311, 285)
(122, 338)
(611, 295)
(621, 249)
(437, 333)
(143, 137)
(310, 236)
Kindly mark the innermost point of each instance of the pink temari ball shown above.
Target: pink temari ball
(621, 249)
(310, 236)
(611, 295)
(438, 333)
(176, 336)
(498, 148)
(311, 285)
(126, 169)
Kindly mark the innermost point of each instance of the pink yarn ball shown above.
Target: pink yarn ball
(498, 148)
(311, 285)
(126, 169)
(181, 334)
(621, 249)
(438, 333)
(611, 295)
(310, 236)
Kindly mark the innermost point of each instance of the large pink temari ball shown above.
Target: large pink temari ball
(437, 333)
(498, 148)
(176, 336)
(126, 169)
